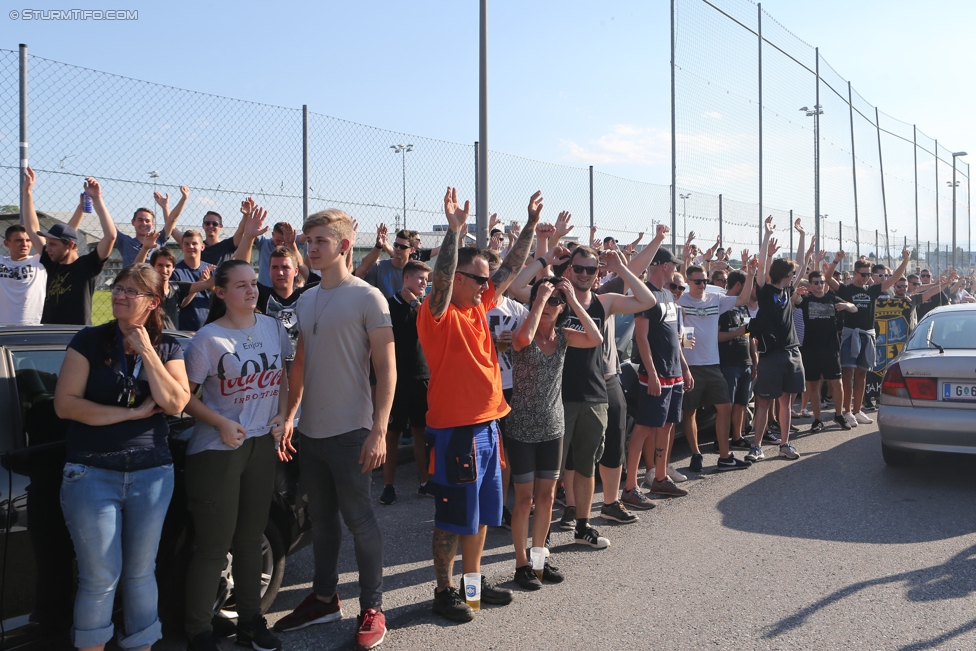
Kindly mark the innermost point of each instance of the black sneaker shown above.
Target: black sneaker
(817, 426)
(254, 634)
(203, 642)
(389, 495)
(506, 518)
(772, 437)
(618, 513)
(492, 594)
(591, 537)
(551, 573)
(741, 443)
(561, 496)
(696, 463)
(424, 491)
(450, 605)
(774, 427)
(568, 521)
(732, 463)
(841, 421)
(526, 578)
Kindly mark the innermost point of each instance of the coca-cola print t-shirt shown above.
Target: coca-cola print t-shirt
(240, 372)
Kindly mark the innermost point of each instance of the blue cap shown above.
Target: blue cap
(61, 232)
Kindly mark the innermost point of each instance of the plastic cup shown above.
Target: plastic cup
(472, 590)
(689, 334)
(538, 556)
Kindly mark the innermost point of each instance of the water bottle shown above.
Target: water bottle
(88, 208)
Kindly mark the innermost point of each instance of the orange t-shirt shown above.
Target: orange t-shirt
(465, 385)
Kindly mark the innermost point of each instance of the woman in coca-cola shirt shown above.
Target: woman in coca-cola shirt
(238, 359)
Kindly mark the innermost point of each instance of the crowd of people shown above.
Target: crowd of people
(501, 364)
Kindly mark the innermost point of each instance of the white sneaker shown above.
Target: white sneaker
(863, 418)
(676, 476)
(849, 417)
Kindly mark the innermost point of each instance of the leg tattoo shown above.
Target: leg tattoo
(445, 549)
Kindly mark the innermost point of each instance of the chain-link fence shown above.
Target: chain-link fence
(735, 162)
(761, 118)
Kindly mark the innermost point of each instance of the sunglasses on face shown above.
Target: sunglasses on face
(914, 283)
(675, 287)
(863, 274)
(816, 282)
(901, 286)
(580, 269)
(481, 280)
(555, 301)
(402, 247)
(207, 223)
(883, 275)
(699, 281)
(926, 275)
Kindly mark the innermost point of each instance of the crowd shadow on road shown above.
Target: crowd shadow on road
(847, 494)
(953, 579)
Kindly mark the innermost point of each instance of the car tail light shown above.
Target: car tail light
(916, 388)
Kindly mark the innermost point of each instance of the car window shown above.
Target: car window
(36, 372)
(624, 328)
(948, 330)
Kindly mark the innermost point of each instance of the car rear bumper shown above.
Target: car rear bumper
(928, 429)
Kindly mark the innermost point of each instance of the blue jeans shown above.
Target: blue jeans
(115, 519)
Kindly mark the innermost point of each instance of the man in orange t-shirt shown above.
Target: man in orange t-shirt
(464, 400)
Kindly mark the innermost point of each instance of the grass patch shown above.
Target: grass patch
(101, 307)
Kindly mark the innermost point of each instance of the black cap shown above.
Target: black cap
(61, 232)
(664, 256)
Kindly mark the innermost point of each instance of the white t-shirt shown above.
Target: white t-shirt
(509, 315)
(23, 286)
(240, 378)
(702, 315)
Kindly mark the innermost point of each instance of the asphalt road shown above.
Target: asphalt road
(834, 550)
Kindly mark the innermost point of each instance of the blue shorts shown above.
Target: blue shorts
(848, 361)
(739, 379)
(465, 477)
(658, 411)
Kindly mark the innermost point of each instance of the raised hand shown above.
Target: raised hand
(355, 225)
(813, 243)
(691, 238)
(93, 188)
(247, 206)
(754, 265)
(745, 258)
(839, 256)
(612, 260)
(544, 231)
(545, 291)
(563, 227)
(906, 253)
(381, 233)
(661, 230)
(768, 224)
(456, 215)
(30, 177)
(820, 256)
(254, 227)
(568, 292)
(496, 242)
(162, 200)
(772, 248)
(207, 272)
(513, 231)
(798, 226)
(535, 207)
(184, 192)
(288, 233)
(149, 239)
(494, 221)
(557, 254)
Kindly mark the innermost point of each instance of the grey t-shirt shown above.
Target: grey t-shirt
(385, 277)
(335, 326)
(240, 378)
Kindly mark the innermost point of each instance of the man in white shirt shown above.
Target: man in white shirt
(23, 280)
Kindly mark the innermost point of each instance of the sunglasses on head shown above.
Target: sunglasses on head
(580, 269)
(209, 223)
(402, 247)
(481, 280)
(698, 281)
(555, 301)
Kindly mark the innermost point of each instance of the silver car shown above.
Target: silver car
(928, 394)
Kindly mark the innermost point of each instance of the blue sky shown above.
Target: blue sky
(573, 83)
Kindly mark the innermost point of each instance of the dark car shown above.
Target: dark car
(38, 576)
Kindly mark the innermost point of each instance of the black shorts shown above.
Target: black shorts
(739, 379)
(531, 461)
(820, 363)
(409, 404)
(779, 372)
(614, 442)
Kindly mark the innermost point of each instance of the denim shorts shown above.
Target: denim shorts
(658, 411)
(848, 361)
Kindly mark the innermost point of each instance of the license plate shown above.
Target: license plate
(959, 391)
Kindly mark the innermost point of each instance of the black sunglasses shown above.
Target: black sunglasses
(402, 247)
(901, 286)
(698, 281)
(863, 275)
(676, 287)
(926, 275)
(580, 269)
(207, 223)
(481, 280)
(816, 282)
(555, 301)
(914, 283)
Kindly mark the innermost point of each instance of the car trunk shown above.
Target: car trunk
(953, 373)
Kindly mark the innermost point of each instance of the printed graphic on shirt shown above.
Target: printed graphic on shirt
(248, 379)
(671, 312)
(23, 272)
(573, 323)
(507, 322)
(821, 311)
(700, 312)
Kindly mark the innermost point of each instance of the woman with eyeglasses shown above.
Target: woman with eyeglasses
(117, 384)
(536, 423)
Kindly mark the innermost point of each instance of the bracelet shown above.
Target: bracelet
(378, 246)
(543, 261)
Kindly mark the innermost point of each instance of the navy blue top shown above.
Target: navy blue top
(194, 315)
(106, 383)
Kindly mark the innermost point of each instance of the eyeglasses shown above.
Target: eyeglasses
(816, 282)
(209, 223)
(118, 290)
(675, 287)
(914, 283)
(580, 269)
(698, 281)
(402, 247)
(555, 301)
(481, 280)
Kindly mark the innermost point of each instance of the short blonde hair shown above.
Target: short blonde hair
(338, 222)
(191, 233)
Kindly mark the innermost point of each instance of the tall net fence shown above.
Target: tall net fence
(764, 120)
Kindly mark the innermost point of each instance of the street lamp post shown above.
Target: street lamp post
(402, 150)
(954, 184)
(684, 211)
(815, 113)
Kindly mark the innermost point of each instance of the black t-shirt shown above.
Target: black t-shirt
(583, 369)
(863, 298)
(820, 322)
(410, 360)
(734, 352)
(283, 309)
(662, 335)
(421, 254)
(70, 288)
(773, 325)
(216, 253)
(106, 385)
(940, 299)
(178, 291)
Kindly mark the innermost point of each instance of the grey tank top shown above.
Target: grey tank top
(537, 396)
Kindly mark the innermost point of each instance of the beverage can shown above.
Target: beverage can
(88, 207)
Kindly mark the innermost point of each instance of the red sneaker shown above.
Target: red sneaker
(311, 611)
(371, 630)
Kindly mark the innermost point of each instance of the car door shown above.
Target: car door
(37, 593)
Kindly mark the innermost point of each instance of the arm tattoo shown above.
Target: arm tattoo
(443, 278)
(445, 549)
(516, 257)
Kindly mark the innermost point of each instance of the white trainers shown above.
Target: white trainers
(863, 418)
(849, 417)
(676, 476)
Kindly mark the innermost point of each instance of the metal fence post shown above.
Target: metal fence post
(790, 228)
(304, 162)
(938, 243)
(674, 147)
(482, 216)
(840, 240)
(915, 159)
(857, 221)
(816, 149)
(23, 129)
(721, 237)
(877, 256)
(591, 199)
(477, 182)
(759, 26)
(884, 203)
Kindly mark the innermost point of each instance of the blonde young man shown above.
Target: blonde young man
(342, 431)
